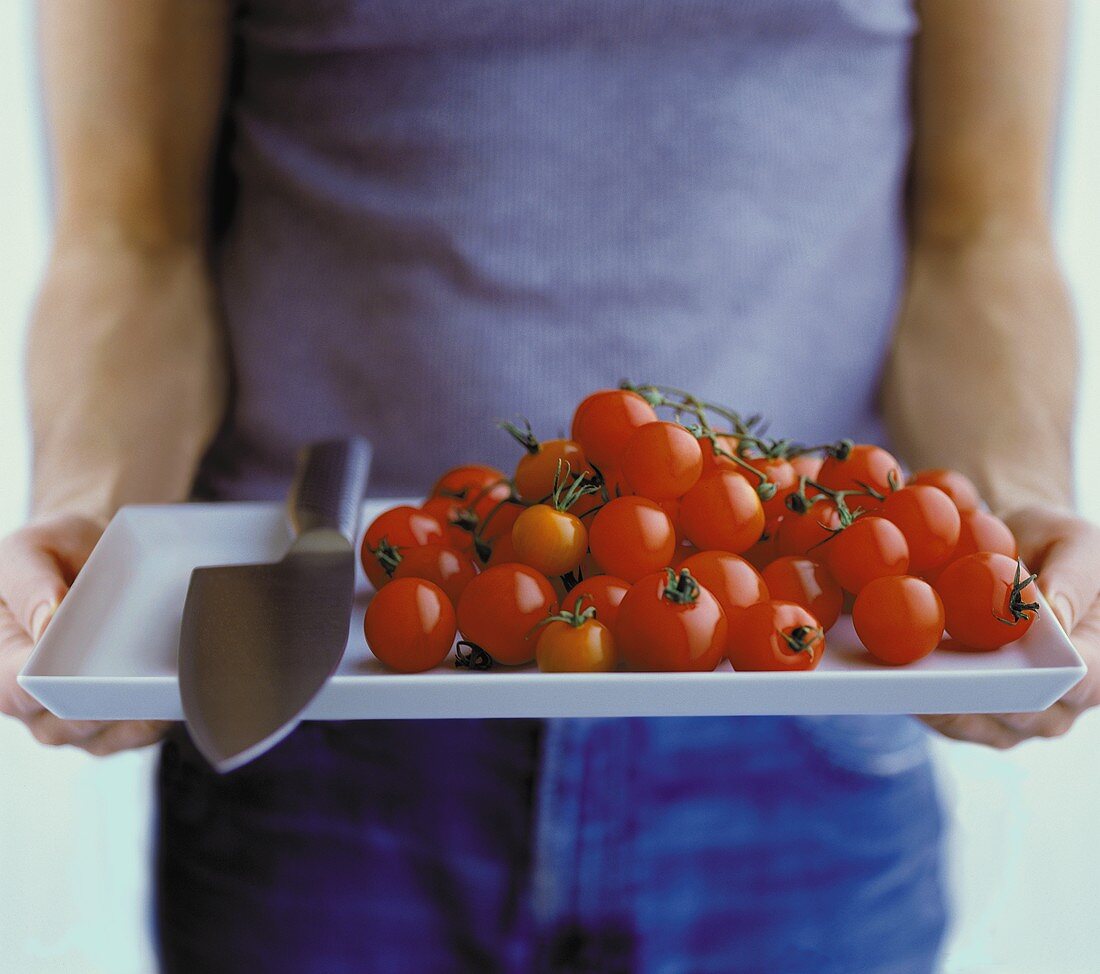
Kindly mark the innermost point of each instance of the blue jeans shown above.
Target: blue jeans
(759, 845)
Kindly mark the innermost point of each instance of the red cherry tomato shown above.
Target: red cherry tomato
(765, 551)
(722, 511)
(930, 522)
(806, 465)
(537, 469)
(661, 461)
(714, 453)
(446, 567)
(988, 599)
(668, 622)
(474, 486)
(604, 593)
(604, 422)
(805, 534)
(631, 537)
(398, 528)
(798, 579)
(575, 642)
(778, 635)
(499, 609)
(868, 548)
(898, 618)
(410, 625)
(502, 552)
(457, 530)
(865, 466)
(499, 521)
(954, 484)
(732, 581)
(550, 541)
(982, 531)
(781, 473)
(672, 509)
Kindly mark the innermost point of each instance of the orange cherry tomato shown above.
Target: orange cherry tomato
(799, 579)
(868, 548)
(930, 522)
(781, 473)
(604, 593)
(604, 421)
(866, 465)
(631, 537)
(732, 581)
(898, 618)
(722, 511)
(955, 485)
(550, 541)
(398, 528)
(410, 625)
(537, 469)
(575, 642)
(661, 461)
(500, 607)
(669, 622)
(982, 531)
(446, 567)
(474, 486)
(805, 534)
(988, 599)
(778, 635)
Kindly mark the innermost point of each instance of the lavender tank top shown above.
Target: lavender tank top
(448, 213)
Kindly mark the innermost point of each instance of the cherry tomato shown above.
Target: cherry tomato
(499, 609)
(550, 541)
(400, 527)
(575, 642)
(982, 531)
(783, 475)
(683, 552)
(475, 486)
(805, 534)
(714, 461)
(457, 530)
(930, 522)
(955, 485)
(732, 581)
(798, 579)
(672, 508)
(502, 552)
(613, 483)
(868, 548)
(604, 421)
(765, 551)
(806, 465)
(722, 511)
(410, 625)
(604, 593)
(898, 618)
(499, 521)
(669, 622)
(988, 599)
(537, 470)
(778, 635)
(661, 461)
(631, 537)
(446, 567)
(865, 466)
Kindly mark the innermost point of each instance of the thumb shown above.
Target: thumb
(32, 584)
(1069, 575)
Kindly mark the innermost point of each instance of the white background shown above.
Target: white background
(74, 831)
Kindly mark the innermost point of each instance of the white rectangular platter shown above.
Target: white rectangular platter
(110, 651)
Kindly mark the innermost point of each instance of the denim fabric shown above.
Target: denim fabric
(732, 845)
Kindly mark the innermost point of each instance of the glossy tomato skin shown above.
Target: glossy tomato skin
(653, 633)
(982, 531)
(535, 472)
(631, 537)
(550, 541)
(976, 591)
(661, 461)
(449, 568)
(475, 486)
(898, 618)
(865, 464)
(410, 625)
(723, 512)
(499, 609)
(604, 422)
(403, 527)
(603, 592)
(446, 511)
(799, 579)
(869, 548)
(761, 646)
(732, 581)
(565, 648)
(930, 522)
(781, 473)
(955, 485)
(806, 534)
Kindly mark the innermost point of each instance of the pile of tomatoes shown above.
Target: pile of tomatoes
(668, 544)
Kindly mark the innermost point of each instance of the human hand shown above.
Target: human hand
(37, 565)
(1065, 551)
